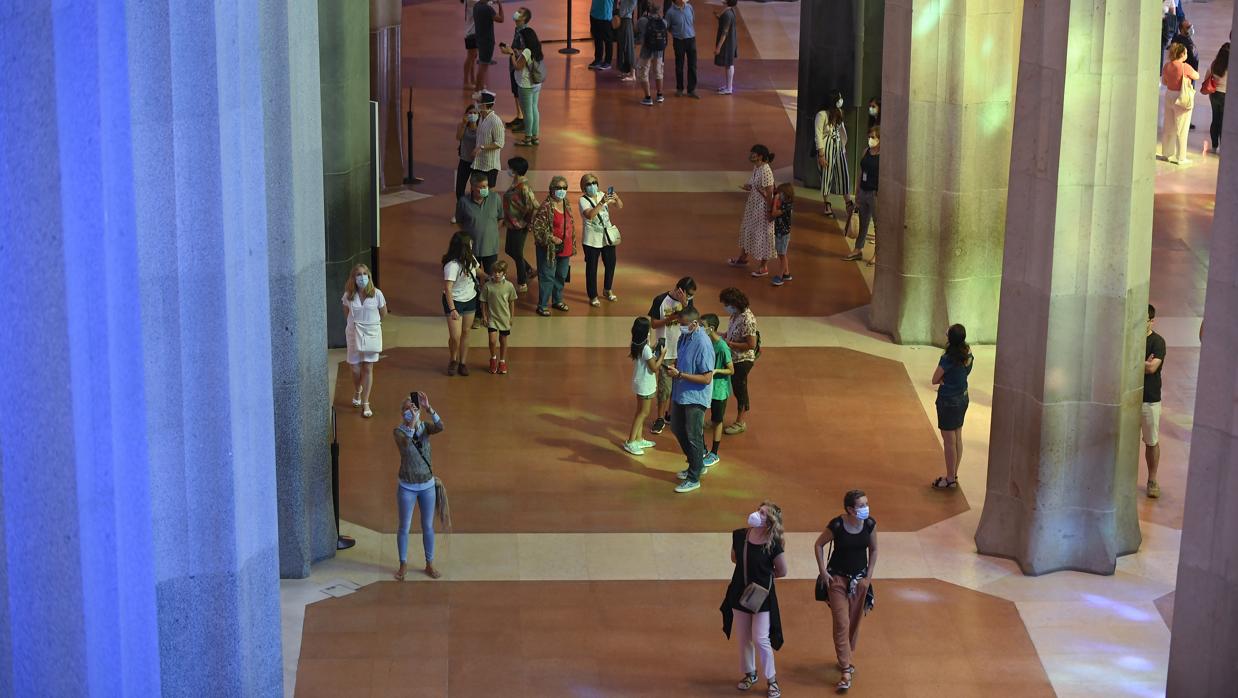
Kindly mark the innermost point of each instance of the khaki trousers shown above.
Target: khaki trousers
(847, 613)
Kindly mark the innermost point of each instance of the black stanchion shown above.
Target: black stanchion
(341, 542)
(410, 179)
(568, 49)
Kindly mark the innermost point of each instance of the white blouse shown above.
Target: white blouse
(362, 309)
(595, 228)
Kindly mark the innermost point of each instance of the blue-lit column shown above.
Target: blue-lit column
(137, 446)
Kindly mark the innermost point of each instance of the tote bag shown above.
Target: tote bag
(369, 337)
(1186, 98)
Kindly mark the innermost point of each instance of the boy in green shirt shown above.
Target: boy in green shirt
(723, 369)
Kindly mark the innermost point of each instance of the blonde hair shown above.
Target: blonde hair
(773, 518)
(557, 179)
(586, 177)
(350, 286)
(1176, 51)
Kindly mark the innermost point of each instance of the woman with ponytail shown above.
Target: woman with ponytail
(951, 375)
(751, 602)
(756, 232)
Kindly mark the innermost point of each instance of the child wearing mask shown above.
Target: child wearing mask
(784, 201)
(646, 361)
(498, 304)
(721, 386)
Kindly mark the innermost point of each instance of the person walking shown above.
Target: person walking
(625, 39)
(1179, 103)
(600, 237)
(866, 192)
(653, 30)
(951, 374)
(460, 299)
(478, 214)
(600, 14)
(554, 234)
(690, 396)
(1218, 72)
(519, 205)
(830, 139)
(847, 575)
(490, 137)
(1150, 410)
(466, 139)
(529, 74)
(364, 310)
(726, 46)
(756, 231)
(758, 553)
(416, 485)
(681, 19)
(742, 338)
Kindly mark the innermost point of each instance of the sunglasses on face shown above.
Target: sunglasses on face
(558, 189)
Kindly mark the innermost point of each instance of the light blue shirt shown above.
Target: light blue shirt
(681, 21)
(696, 356)
(602, 9)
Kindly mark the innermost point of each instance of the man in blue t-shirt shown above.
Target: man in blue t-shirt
(690, 396)
(600, 14)
(682, 20)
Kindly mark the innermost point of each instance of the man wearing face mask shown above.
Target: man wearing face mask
(693, 374)
(490, 139)
(478, 213)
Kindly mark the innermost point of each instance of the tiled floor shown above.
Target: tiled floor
(827, 393)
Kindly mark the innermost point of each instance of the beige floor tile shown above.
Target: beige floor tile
(620, 556)
(692, 555)
(477, 556)
(552, 556)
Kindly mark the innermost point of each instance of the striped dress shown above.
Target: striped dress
(831, 139)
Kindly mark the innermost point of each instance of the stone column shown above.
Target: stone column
(386, 89)
(1064, 444)
(137, 485)
(343, 38)
(294, 220)
(1203, 652)
(947, 106)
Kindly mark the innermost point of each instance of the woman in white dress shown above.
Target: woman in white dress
(363, 305)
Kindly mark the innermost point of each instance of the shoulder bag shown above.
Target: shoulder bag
(754, 594)
(1186, 98)
(1209, 85)
(369, 337)
(610, 232)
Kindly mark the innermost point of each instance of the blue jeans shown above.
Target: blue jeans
(529, 97)
(551, 276)
(688, 425)
(424, 500)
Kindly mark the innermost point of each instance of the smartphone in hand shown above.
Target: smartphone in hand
(610, 191)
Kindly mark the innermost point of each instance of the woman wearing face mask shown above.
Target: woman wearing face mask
(874, 112)
(741, 337)
(524, 59)
(757, 552)
(416, 486)
(460, 299)
(848, 574)
(554, 234)
(830, 138)
(866, 192)
(466, 138)
(597, 239)
(756, 232)
(364, 305)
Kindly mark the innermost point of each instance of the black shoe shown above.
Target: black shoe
(604, 66)
(694, 95)
(594, 66)
(514, 123)
(678, 93)
(660, 98)
(658, 425)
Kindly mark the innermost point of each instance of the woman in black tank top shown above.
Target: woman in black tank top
(847, 575)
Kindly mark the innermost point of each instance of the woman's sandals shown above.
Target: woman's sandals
(845, 682)
(942, 483)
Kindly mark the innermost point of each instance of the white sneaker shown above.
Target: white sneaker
(643, 443)
(633, 448)
(453, 219)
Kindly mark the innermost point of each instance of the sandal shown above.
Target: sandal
(543, 312)
(610, 296)
(747, 682)
(736, 428)
(737, 262)
(845, 682)
(560, 306)
(829, 210)
(774, 691)
(942, 483)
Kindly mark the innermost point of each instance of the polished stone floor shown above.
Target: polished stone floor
(551, 515)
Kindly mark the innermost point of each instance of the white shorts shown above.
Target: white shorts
(1150, 423)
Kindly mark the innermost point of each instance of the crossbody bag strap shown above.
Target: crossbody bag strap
(746, 558)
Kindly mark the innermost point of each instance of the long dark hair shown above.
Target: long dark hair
(640, 336)
(956, 344)
(533, 43)
(1220, 64)
(762, 152)
(460, 250)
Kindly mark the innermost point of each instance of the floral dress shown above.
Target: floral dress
(756, 233)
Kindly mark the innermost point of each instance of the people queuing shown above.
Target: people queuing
(554, 234)
(601, 237)
(490, 138)
(519, 205)
(486, 13)
(417, 487)
(625, 39)
(364, 309)
(466, 139)
(601, 16)
(528, 72)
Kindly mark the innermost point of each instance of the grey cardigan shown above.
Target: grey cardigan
(415, 464)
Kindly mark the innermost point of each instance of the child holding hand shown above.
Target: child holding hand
(780, 212)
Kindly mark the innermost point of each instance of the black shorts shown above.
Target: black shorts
(485, 53)
(470, 42)
(717, 410)
(950, 412)
(502, 333)
(462, 307)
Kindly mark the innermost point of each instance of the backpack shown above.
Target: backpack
(537, 71)
(655, 34)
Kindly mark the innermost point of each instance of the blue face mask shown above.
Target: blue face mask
(861, 513)
(592, 190)
(408, 415)
(560, 193)
(363, 281)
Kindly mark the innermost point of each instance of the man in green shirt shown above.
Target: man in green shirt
(723, 369)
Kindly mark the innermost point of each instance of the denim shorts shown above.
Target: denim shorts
(781, 242)
(950, 412)
(462, 307)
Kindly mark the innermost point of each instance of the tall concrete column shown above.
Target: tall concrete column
(948, 87)
(1203, 652)
(343, 37)
(137, 478)
(385, 88)
(296, 265)
(1068, 384)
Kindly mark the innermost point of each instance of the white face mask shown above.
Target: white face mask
(472, 117)
(685, 329)
(756, 520)
(363, 281)
(872, 111)
(872, 142)
(861, 513)
(839, 104)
